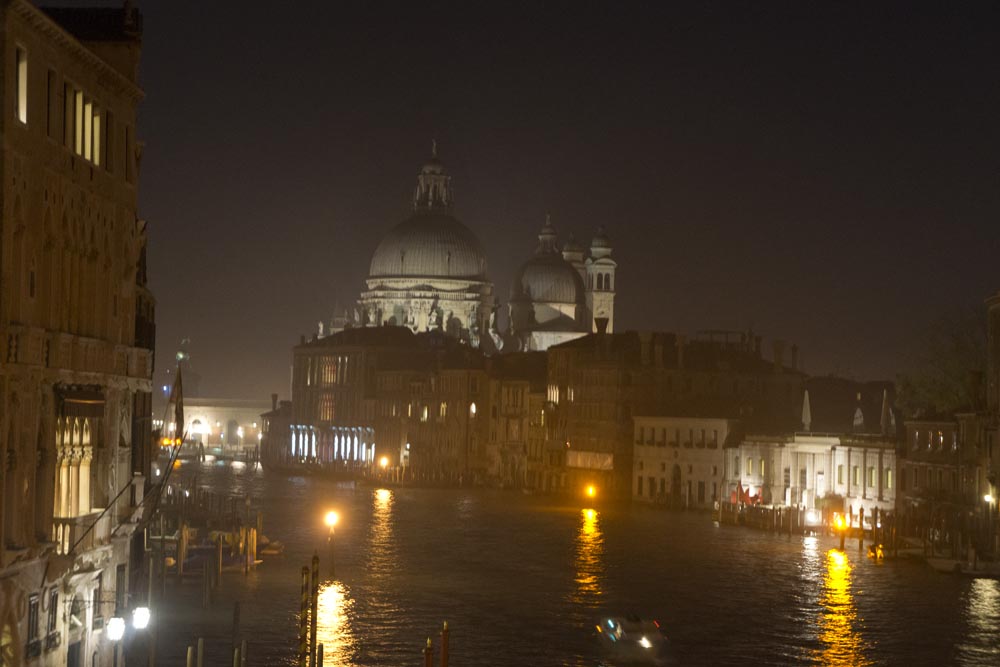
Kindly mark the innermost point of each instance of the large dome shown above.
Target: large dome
(429, 244)
(548, 278)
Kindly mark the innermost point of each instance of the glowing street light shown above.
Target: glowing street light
(140, 618)
(383, 462)
(988, 498)
(591, 491)
(116, 628)
(841, 526)
(331, 519)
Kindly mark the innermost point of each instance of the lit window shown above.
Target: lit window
(856, 475)
(443, 411)
(871, 476)
(423, 414)
(88, 130)
(888, 479)
(472, 409)
(749, 466)
(762, 472)
(21, 85)
(78, 121)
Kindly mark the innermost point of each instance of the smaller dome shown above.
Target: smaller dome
(547, 278)
(600, 245)
(572, 245)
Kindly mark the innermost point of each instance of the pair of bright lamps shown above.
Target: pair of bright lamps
(116, 625)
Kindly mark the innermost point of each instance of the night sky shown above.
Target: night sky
(826, 173)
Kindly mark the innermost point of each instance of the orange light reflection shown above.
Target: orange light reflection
(333, 625)
(589, 559)
(842, 645)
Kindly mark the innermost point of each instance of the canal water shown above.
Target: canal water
(522, 580)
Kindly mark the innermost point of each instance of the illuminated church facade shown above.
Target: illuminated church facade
(430, 273)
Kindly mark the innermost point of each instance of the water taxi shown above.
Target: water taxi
(630, 640)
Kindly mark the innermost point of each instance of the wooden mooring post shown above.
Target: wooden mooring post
(444, 645)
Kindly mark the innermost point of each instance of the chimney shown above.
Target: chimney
(601, 323)
(795, 357)
(779, 355)
(274, 401)
(680, 351)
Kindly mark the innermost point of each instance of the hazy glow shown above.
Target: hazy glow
(140, 618)
(333, 626)
(842, 645)
(988, 498)
(331, 518)
(384, 461)
(116, 628)
(591, 491)
(589, 559)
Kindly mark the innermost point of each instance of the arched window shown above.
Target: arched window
(600, 281)
(607, 282)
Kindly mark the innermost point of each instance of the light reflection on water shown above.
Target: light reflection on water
(333, 626)
(842, 643)
(589, 559)
(522, 578)
(983, 619)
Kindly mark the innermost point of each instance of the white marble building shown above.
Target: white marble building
(558, 296)
(429, 271)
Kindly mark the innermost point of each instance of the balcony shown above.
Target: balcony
(67, 531)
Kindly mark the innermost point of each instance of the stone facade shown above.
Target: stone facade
(596, 384)
(801, 470)
(222, 422)
(679, 461)
(429, 272)
(76, 330)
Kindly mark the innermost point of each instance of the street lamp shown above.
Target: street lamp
(331, 520)
(591, 491)
(140, 618)
(838, 523)
(116, 631)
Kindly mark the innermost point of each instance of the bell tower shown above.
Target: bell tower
(601, 283)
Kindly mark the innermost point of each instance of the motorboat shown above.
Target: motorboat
(630, 640)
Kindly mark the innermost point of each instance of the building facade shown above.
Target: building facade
(680, 461)
(76, 331)
(845, 472)
(598, 383)
(222, 423)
